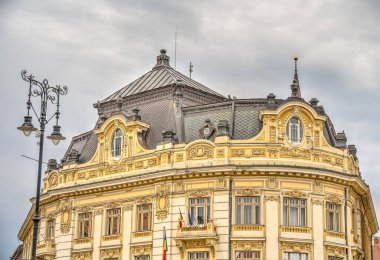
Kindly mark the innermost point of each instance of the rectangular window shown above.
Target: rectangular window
(333, 217)
(200, 211)
(247, 255)
(199, 255)
(50, 227)
(294, 256)
(247, 210)
(144, 217)
(294, 212)
(335, 258)
(113, 221)
(142, 257)
(355, 223)
(85, 225)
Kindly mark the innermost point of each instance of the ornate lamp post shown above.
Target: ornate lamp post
(47, 94)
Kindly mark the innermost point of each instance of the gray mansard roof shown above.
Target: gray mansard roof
(169, 101)
(160, 76)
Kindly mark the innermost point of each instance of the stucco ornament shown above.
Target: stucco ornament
(53, 180)
(162, 202)
(65, 210)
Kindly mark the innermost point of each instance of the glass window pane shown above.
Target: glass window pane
(257, 212)
(293, 216)
(285, 215)
(238, 214)
(248, 215)
(200, 215)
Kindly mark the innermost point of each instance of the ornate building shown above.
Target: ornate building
(223, 178)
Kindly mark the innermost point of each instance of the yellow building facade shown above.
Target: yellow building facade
(292, 190)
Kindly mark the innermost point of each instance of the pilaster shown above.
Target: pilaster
(272, 219)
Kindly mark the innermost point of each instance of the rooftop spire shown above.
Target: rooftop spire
(162, 60)
(296, 90)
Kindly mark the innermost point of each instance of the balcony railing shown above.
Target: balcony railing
(111, 237)
(137, 234)
(294, 229)
(248, 228)
(47, 248)
(335, 234)
(83, 240)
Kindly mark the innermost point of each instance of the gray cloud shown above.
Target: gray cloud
(242, 48)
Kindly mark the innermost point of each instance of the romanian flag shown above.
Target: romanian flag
(180, 219)
(165, 246)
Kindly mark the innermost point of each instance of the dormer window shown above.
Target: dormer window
(294, 130)
(117, 144)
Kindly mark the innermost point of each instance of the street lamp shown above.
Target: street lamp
(47, 94)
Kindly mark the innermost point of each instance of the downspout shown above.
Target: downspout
(345, 219)
(230, 220)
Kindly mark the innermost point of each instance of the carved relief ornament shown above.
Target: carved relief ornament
(335, 251)
(199, 193)
(295, 194)
(83, 255)
(248, 245)
(113, 205)
(110, 253)
(162, 202)
(272, 198)
(140, 250)
(317, 202)
(247, 192)
(334, 199)
(201, 152)
(128, 207)
(65, 210)
(295, 247)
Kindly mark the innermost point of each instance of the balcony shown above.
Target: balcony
(247, 231)
(111, 240)
(82, 243)
(197, 236)
(46, 250)
(142, 236)
(296, 232)
(334, 236)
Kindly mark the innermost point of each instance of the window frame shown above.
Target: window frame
(296, 127)
(255, 203)
(139, 257)
(82, 222)
(299, 253)
(336, 210)
(299, 207)
(50, 229)
(113, 218)
(254, 252)
(194, 210)
(140, 217)
(117, 152)
(198, 252)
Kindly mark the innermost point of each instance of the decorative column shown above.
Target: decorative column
(318, 227)
(97, 236)
(272, 226)
(127, 230)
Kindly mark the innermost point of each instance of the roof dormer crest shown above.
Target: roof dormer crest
(162, 60)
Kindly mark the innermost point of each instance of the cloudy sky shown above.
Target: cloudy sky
(242, 48)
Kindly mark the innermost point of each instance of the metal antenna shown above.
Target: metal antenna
(175, 48)
(191, 68)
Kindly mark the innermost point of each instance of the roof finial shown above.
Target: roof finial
(296, 91)
(162, 60)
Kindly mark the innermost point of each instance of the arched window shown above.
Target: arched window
(294, 130)
(117, 144)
